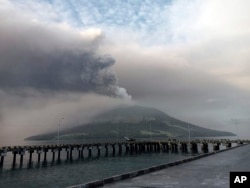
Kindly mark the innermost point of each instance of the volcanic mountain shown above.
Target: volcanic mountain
(133, 122)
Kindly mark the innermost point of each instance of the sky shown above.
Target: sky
(76, 58)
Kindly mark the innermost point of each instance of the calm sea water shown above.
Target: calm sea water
(65, 173)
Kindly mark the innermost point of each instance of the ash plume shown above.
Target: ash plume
(45, 57)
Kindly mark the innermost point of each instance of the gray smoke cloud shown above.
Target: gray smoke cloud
(49, 71)
(54, 57)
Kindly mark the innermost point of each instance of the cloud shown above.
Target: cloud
(54, 57)
(50, 70)
(180, 80)
(188, 58)
(33, 112)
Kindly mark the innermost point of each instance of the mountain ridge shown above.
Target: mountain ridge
(133, 121)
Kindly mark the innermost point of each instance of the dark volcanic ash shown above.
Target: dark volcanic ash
(41, 56)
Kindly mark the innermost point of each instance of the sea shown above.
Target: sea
(66, 173)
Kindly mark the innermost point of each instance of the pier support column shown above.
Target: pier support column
(136, 148)
(70, 154)
(143, 147)
(151, 147)
(67, 150)
(31, 151)
(107, 150)
(216, 146)
(1, 162)
(127, 148)
(194, 147)
(158, 147)
(165, 147)
(53, 154)
(21, 153)
(59, 149)
(82, 148)
(204, 147)
(14, 152)
(184, 147)
(98, 151)
(113, 147)
(39, 151)
(120, 149)
(90, 151)
(79, 152)
(3, 153)
(229, 145)
(45, 150)
(132, 148)
(148, 147)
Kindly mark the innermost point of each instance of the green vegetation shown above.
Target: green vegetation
(135, 122)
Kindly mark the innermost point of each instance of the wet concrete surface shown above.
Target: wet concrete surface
(209, 172)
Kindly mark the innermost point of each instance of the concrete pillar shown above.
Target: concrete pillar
(194, 147)
(113, 147)
(107, 150)
(2, 160)
(136, 148)
(139, 147)
(132, 148)
(127, 148)
(169, 146)
(79, 152)
(14, 152)
(172, 146)
(3, 153)
(158, 147)
(90, 151)
(39, 151)
(184, 147)
(142, 147)
(45, 150)
(82, 148)
(216, 146)
(70, 155)
(98, 151)
(59, 153)
(229, 145)
(67, 150)
(53, 149)
(21, 153)
(150, 147)
(166, 146)
(204, 147)
(120, 148)
(31, 151)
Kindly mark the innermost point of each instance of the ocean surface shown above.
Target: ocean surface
(65, 173)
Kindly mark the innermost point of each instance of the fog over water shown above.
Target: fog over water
(75, 59)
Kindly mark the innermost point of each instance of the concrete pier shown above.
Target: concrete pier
(208, 172)
(116, 148)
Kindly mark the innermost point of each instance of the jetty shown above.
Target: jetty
(70, 152)
(210, 171)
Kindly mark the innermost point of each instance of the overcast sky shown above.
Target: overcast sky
(75, 58)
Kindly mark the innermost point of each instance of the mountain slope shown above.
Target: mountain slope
(133, 121)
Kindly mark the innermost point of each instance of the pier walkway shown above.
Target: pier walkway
(209, 172)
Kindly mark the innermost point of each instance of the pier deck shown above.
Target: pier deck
(209, 172)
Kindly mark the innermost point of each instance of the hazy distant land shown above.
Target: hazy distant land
(132, 121)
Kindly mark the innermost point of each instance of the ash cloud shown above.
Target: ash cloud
(54, 57)
(49, 71)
